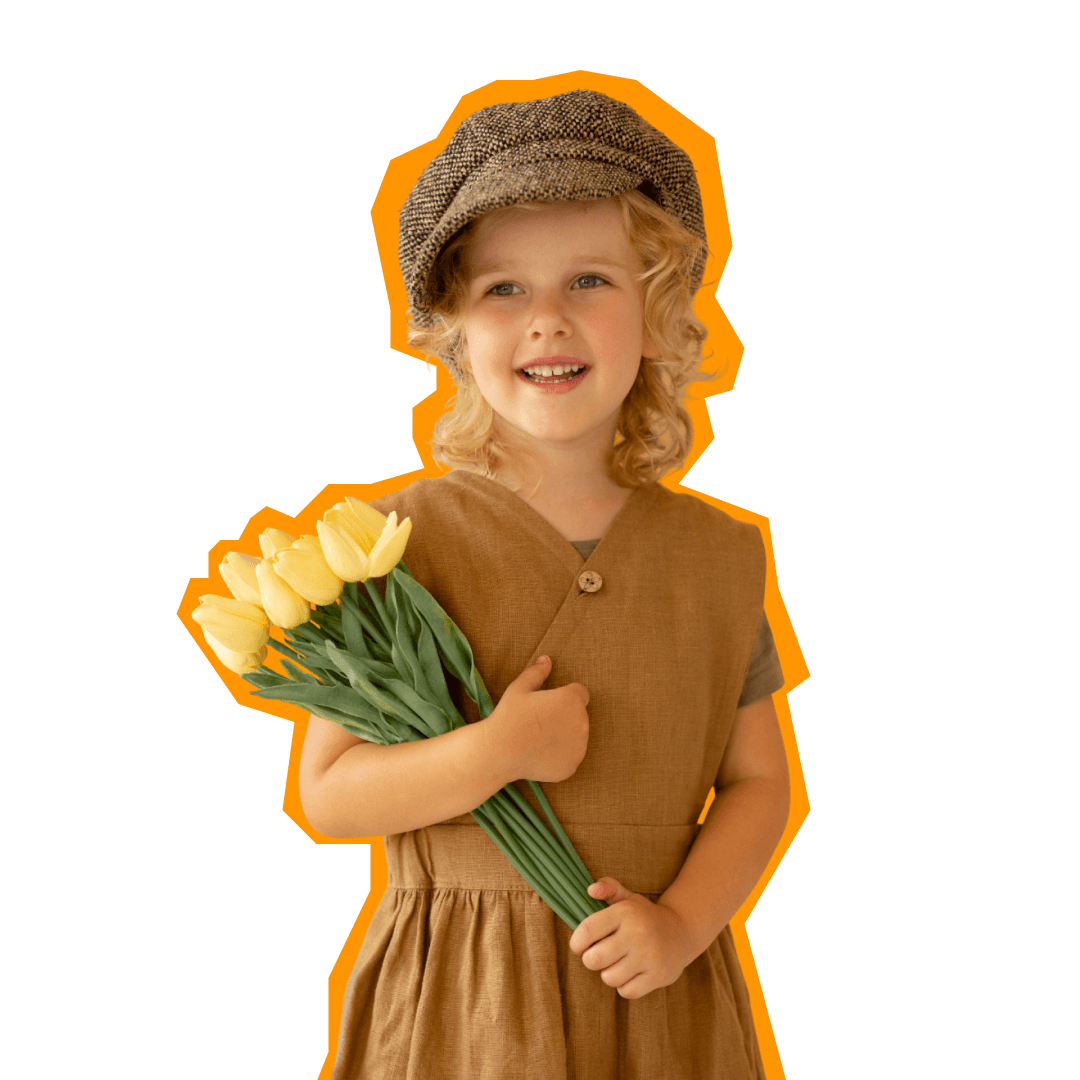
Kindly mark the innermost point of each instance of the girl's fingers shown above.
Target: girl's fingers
(604, 954)
(619, 974)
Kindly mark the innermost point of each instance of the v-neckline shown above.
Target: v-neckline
(539, 522)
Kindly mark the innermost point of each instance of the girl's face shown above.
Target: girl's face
(554, 288)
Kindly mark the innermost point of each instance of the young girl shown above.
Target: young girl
(551, 254)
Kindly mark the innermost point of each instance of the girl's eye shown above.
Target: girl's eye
(504, 288)
(507, 284)
(594, 277)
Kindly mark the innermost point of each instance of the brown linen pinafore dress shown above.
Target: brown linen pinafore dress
(464, 972)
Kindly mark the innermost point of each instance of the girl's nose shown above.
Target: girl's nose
(549, 314)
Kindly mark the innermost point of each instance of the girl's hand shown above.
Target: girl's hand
(636, 945)
(542, 734)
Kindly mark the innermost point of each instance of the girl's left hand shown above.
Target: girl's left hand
(636, 945)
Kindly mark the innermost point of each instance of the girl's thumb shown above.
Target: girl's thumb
(609, 890)
(534, 675)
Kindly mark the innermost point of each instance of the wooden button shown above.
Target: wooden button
(590, 581)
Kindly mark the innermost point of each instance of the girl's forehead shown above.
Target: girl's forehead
(581, 227)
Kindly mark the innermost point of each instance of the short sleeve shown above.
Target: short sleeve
(764, 676)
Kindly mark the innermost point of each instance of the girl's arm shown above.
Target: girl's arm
(743, 827)
(349, 787)
(352, 788)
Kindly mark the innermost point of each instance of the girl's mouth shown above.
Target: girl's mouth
(556, 383)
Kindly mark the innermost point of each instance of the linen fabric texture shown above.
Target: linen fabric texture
(579, 145)
(464, 972)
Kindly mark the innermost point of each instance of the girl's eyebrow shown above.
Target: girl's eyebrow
(588, 260)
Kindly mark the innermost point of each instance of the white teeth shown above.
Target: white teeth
(558, 369)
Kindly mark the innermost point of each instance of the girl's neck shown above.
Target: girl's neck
(578, 505)
(572, 488)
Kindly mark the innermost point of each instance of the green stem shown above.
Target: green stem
(550, 815)
(537, 886)
(555, 880)
(567, 867)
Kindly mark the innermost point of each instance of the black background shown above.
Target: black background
(279, 325)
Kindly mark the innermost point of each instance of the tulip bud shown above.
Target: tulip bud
(271, 541)
(240, 662)
(367, 518)
(342, 553)
(284, 607)
(390, 547)
(304, 567)
(238, 573)
(343, 519)
(235, 624)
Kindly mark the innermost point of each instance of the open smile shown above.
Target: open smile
(561, 383)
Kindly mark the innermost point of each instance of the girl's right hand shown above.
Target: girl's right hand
(545, 732)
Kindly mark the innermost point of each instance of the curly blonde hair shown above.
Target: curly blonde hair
(654, 432)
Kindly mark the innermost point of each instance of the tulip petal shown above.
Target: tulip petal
(369, 518)
(271, 541)
(343, 555)
(390, 548)
(238, 573)
(240, 662)
(239, 626)
(283, 606)
(304, 567)
(341, 517)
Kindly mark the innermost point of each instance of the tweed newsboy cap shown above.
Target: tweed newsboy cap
(580, 145)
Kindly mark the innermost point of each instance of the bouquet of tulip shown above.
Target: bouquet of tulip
(374, 665)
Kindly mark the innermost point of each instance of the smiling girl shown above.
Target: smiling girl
(551, 254)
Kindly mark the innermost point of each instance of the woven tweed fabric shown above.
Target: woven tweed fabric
(580, 145)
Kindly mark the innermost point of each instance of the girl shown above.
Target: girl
(551, 254)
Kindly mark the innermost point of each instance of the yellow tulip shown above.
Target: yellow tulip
(235, 624)
(304, 568)
(352, 531)
(365, 521)
(342, 553)
(271, 541)
(240, 662)
(238, 573)
(284, 606)
(390, 547)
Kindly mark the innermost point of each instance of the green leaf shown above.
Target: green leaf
(261, 680)
(364, 602)
(404, 732)
(377, 602)
(380, 669)
(342, 698)
(285, 650)
(298, 675)
(401, 665)
(428, 658)
(353, 628)
(406, 632)
(430, 713)
(316, 658)
(455, 650)
(349, 723)
(306, 632)
(380, 697)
